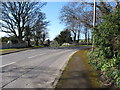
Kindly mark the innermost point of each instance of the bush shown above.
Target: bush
(106, 56)
(54, 44)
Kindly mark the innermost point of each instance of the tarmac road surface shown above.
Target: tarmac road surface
(35, 68)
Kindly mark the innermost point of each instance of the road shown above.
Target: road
(35, 68)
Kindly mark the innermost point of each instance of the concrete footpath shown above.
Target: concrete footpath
(78, 73)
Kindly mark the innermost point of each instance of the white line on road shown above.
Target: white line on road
(33, 56)
(7, 64)
(36, 55)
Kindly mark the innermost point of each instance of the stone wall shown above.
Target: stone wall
(17, 45)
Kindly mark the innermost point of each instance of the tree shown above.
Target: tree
(68, 16)
(82, 12)
(75, 29)
(39, 32)
(17, 15)
(5, 39)
(64, 37)
(54, 44)
(72, 28)
(27, 34)
(77, 12)
(44, 36)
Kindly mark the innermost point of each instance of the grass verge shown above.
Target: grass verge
(7, 51)
(74, 45)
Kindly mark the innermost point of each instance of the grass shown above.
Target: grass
(83, 45)
(18, 48)
(38, 46)
(8, 49)
(4, 51)
(74, 45)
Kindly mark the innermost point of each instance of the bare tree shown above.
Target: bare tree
(75, 17)
(71, 27)
(82, 12)
(39, 32)
(17, 15)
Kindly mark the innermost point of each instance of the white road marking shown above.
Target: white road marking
(7, 64)
(33, 56)
(36, 55)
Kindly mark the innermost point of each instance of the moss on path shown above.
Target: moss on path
(78, 73)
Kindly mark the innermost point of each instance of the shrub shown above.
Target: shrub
(106, 56)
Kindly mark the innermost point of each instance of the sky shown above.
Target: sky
(52, 11)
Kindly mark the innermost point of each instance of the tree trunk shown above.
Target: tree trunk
(78, 37)
(85, 34)
(36, 42)
(88, 39)
(28, 35)
(20, 35)
(19, 30)
(74, 38)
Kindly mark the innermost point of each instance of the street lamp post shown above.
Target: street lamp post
(94, 21)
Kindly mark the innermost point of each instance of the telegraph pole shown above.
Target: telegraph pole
(94, 22)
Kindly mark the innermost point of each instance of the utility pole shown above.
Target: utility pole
(94, 22)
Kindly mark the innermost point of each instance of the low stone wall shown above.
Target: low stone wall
(17, 45)
(4, 46)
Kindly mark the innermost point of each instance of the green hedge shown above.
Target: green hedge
(106, 56)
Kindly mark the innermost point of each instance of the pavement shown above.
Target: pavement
(34, 68)
(78, 73)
